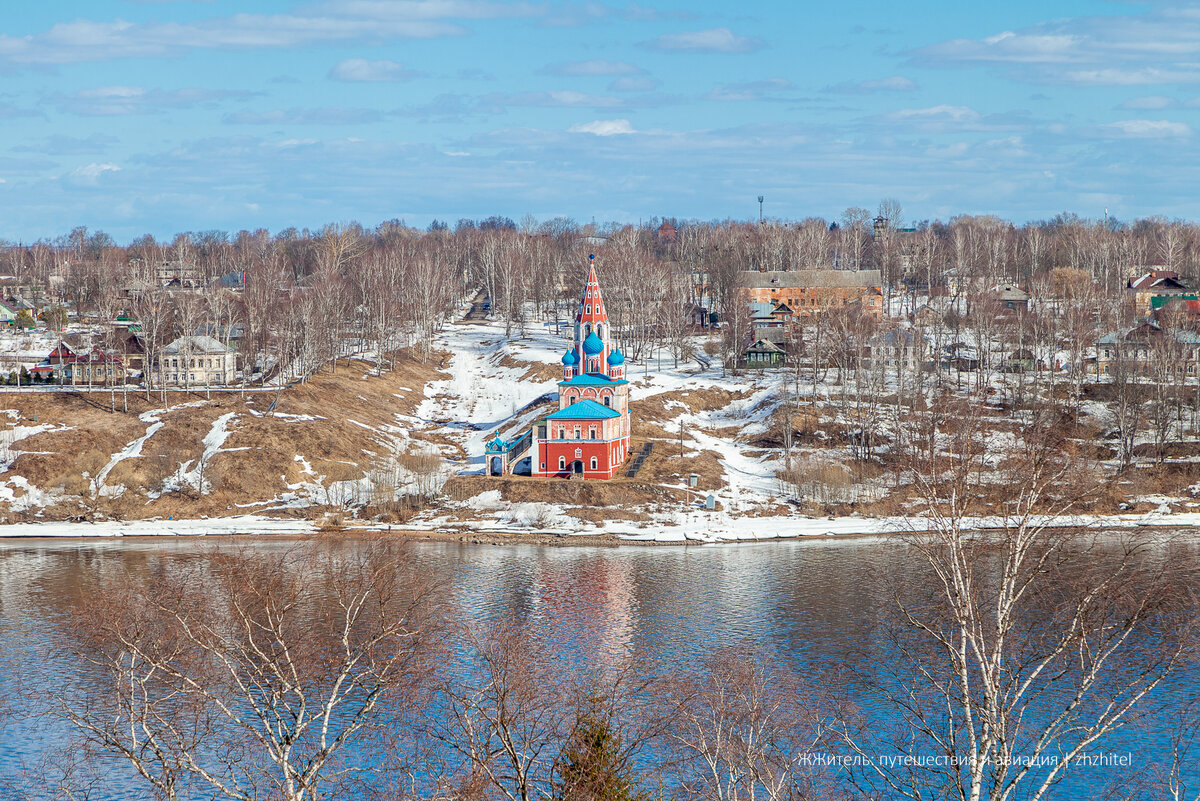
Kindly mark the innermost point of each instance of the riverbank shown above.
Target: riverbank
(694, 531)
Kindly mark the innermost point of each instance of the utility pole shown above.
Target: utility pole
(760, 215)
(681, 438)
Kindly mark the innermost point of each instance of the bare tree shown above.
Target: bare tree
(745, 730)
(1020, 654)
(252, 676)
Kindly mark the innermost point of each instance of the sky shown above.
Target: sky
(144, 116)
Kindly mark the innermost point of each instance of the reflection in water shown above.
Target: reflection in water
(819, 606)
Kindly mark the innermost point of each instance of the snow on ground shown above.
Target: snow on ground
(188, 476)
(247, 524)
(31, 496)
(131, 451)
(697, 525)
(481, 395)
(318, 492)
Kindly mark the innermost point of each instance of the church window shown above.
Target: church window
(588, 309)
(543, 465)
(576, 432)
(607, 401)
(593, 462)
(562, 463)
(592, 432)
(562, 433)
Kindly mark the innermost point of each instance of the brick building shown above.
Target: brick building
(808, 292)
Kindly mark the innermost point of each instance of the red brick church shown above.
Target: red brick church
(589, 434)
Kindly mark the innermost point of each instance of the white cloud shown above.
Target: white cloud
(103, 101)
(360, 70)
(1149, 102)
(592, 67)
(943, 112)
(713, 40)
(1144, 129)
(604, 127)
(554, 99)
(89, 40)
(1110, 76)
(89, 175)
(633, 84)
(894, 83)
(1159, 46)
(304, 116)
(752, 90)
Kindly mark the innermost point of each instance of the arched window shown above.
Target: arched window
(607, 401)
(588, 309)
(593, 462)
(592, 432)
(562, 463)
(576, 432)
(562, 432)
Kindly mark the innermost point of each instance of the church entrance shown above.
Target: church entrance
(577, 467)
(497, 466)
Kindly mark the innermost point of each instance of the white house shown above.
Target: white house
(195, 361)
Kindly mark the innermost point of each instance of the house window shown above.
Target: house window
(562, 463)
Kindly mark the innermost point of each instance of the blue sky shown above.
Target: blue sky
(157, 117)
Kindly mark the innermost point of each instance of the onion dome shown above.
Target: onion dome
(569, 358)
(616, 358)
(593, 344)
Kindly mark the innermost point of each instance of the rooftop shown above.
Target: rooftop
(824, 279)
(592, 380)
(584, 410)
(199, 344)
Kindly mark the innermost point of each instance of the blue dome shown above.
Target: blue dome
(569, 358)
(615, 358)
(593, 344)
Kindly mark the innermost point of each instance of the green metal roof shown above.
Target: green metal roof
(584, 410)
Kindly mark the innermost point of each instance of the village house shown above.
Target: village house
(177, 274)
(1011, 298)
(195, 361)
(770, 315)
(902, 347)
(763, 354)
(808, 292)
(1156, 288)
(1143, 348)
(95, 368)
(8, 315)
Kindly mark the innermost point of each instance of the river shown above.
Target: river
(815, 605)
